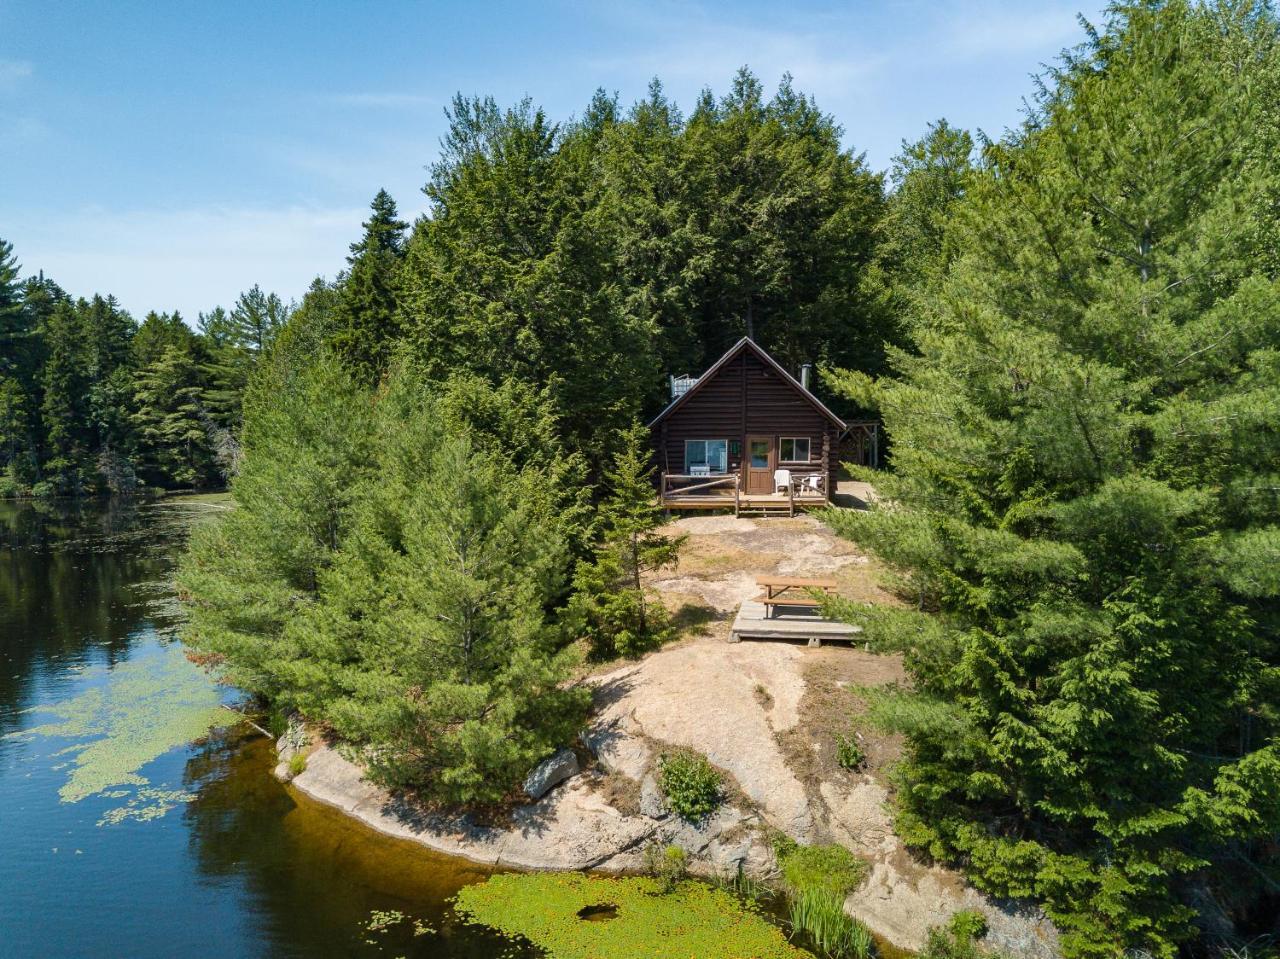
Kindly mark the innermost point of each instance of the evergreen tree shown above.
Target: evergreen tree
(391, 578)
(65, 407)
(226, 369)
(610, 607)
(366, 322)
(14, 322)
(432, 645)
(15, 373)
(791, 220)
(929, 177)
(1083, 503)
(246, 577)
(173, 436)
(309, 328)
(256, 319)
(506, 278)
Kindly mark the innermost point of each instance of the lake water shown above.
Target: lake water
(118, 836)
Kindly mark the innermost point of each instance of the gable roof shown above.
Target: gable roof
(747, 344)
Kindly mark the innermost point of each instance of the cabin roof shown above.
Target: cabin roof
(746, 343)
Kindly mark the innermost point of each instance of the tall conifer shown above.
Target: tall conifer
(1083, 497)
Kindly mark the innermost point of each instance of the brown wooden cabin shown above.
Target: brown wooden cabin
(747, 435)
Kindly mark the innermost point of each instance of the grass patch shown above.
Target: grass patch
(667, 864)
(817, 881)
(820, 917)
(297, 764)
(694, 920)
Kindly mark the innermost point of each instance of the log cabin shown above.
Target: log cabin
(746, 434)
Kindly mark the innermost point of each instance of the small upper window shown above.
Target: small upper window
(794, 449)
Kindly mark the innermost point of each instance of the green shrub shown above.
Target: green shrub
(848, 753)
(10, 488)
(691, 785)
(958, 939)
(667, 864)
(969, 924)
(297, 764)
(832, 868)
(44, 490)
(819, 914)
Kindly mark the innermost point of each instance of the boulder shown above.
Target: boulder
(550, 773)
(652, 803)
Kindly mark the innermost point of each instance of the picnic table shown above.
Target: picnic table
(776, 591)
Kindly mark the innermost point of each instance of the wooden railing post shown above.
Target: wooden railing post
(737, 486)
(827, 477)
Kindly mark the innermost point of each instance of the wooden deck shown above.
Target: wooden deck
(754, 622)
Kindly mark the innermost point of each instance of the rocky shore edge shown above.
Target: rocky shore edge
(598, 807)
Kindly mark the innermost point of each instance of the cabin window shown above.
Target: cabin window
(709, 455)
(794, 449)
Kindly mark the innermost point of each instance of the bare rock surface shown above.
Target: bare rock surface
(765, 713)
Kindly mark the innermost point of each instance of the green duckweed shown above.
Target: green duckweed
(568, 916)
(129, 715)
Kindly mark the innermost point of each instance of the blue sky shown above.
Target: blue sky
(174, 153)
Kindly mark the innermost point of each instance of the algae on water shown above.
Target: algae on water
(557, 912)
(129, 715)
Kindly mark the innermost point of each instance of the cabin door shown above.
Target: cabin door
(759, 463)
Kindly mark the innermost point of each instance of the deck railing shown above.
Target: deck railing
(717, 485)
(693, 490)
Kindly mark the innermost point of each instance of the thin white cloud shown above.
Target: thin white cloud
(188, 260)
(21, 131)
(13, 72)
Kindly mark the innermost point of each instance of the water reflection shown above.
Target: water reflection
(316, 875)
(78, 584)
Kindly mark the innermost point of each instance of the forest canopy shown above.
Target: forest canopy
(93, 402)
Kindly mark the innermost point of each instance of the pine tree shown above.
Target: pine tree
(248, 576)
(171, 425)
(610, 607)
(14, 327)
(929, 177)
(256, 319)
(65, 407)
(366, 321)
(1083, 503)
(392, 579)
(507, 278)
(791, 219)
(226, 369)
(15, 373)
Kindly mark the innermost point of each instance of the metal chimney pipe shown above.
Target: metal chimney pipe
(805, 370)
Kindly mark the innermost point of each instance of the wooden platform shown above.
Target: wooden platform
(753, 622)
